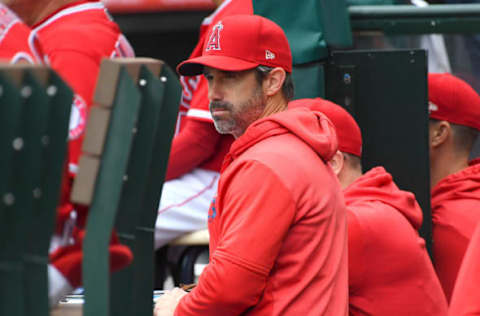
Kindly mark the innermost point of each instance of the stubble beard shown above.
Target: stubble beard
(241, 117)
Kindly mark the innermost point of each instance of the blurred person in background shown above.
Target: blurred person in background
(454, 109)
(390, 272)
(197, 150)
(75, 36)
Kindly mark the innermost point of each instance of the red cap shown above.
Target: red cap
(452, 99)
(241, 42)
(348, 133)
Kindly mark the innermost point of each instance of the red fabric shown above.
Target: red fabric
(466, 296)
(390, 272)
(348, 132)
(68, 260)
(75, 39)
(241, 42)
(76, 54)
(453, 100)
(455, 213)
(16, 45)
(277, 229)
(190, 148)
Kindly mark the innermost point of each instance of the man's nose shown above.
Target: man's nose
(215, 91)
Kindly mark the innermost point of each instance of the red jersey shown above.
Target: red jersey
(75, 40)
(466, 296)
(390, 272)
(194, 102)
(455, 214)
(17, 42)
(277, 229)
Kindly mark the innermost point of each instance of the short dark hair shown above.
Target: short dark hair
(464, 137)
(353, 161)
(288, 89)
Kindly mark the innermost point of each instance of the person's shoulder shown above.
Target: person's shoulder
(371, 210)
(284, 153)
(79, 32)
(292, 162)
(376, 216)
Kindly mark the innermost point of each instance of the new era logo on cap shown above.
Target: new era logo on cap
(432, 107)
(269, 55)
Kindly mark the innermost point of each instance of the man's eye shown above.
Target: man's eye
(208, 76)
(231, 75)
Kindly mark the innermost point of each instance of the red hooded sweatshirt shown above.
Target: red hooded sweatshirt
(466, 295)
(390, 272)
(278, 225)
(455, 213)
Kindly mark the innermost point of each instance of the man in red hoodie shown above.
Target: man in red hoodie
(390, 272)
(454, 123)
(277, 229)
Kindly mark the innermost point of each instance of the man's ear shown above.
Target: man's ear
(439, 132)
(273, 82)
(337, 161)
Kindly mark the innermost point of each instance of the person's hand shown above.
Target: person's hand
(166, 304)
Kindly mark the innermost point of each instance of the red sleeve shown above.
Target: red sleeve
(356, 252)
(195, 143)
(449, 249)
(255, 217)
(78, 70)
(466, 297)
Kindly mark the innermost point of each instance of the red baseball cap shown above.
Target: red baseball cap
(452, 99)
(241, 42)
(348, 133)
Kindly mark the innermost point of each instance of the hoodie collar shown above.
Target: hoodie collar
(313, 128)
(460, 185)
(377, 185)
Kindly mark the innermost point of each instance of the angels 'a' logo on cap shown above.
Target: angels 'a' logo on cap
(214, 40)
(269, 55)
(432, 107)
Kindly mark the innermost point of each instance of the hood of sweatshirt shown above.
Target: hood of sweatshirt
(313, 128)
(377, 185)
(461, 185)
